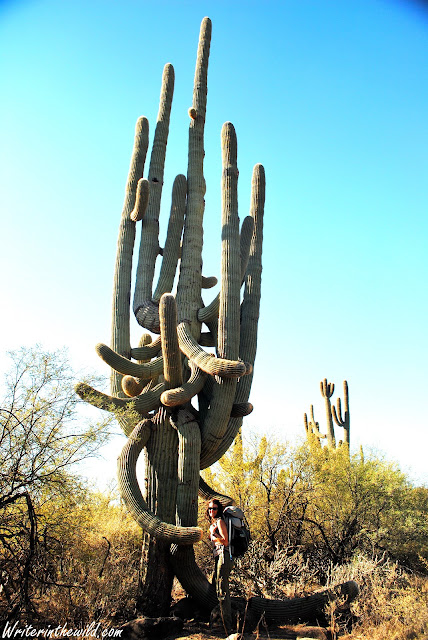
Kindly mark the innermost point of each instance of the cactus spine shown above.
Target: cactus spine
(154, 384)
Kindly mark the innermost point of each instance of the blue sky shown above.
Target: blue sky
(330, 96)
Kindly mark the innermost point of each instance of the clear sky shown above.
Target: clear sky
(331, 96)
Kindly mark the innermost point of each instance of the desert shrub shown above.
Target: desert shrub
(392, 604)
(325, 505)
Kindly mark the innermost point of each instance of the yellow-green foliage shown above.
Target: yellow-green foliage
(325, 502)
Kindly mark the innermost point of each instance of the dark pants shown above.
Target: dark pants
(222, 569)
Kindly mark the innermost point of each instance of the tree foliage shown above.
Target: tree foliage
(42, 437)
(325, 504)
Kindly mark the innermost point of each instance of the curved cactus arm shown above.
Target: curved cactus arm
(131, 494)
(208, 493)
(134, 386)
(120, 334)
(191, 578)
(171, 250)
(190, 278)
(327, 390)
(141, 200)
(241, 409)
(297, 609)
(144, 371)
(207, 361)
(122, 407)
(249, 312)
(147, 351)
(208, 282)
(338, 416)
(149, 244)
(207, 339)
(184, 393)
(314, 426)
(210, 312)
(345, 420)
(305, 422)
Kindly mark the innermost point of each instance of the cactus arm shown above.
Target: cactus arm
(208, 282)
(134, 386)
(131, 494)
(294, 610)
(207, 361)
(327, 390)
(147, 351)
(189, 282)
(216, 420)
(141, 200)
(182, 394)
(171, 250)
(122, 407)
(149, 244)
(345, 420)
(210, 312)
(191, 578)
(241, 409)
(120, 335)
(144, 371)
(208, 493)
(250, 309)
(207, 339)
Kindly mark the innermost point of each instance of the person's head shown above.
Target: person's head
(214, 510)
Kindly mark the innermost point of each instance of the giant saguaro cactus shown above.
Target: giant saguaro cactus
(154, 386)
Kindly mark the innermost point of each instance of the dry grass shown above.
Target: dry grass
(393, 604)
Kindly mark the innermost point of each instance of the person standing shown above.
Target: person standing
(222, 561)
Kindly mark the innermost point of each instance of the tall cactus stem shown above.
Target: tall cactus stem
(120, 335)
(327, 390)
(170, 349)
(172, 249)
(189, 283)
(210, 312)
(149, 244)
(189, 451)
(250, 309)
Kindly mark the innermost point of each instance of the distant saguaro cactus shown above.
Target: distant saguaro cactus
(312, 427)
(153, 386)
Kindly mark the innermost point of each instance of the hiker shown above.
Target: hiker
(223, 563)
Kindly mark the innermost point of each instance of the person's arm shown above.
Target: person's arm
(222, 537)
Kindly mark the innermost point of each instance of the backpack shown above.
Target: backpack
(238, 530)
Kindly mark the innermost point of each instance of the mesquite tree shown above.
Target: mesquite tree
(181, 404)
